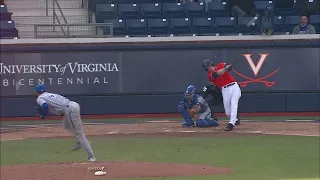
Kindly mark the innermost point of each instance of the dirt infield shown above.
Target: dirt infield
(79, 171)
(137, 169)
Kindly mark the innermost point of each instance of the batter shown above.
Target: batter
(56, 104)
(231, 92)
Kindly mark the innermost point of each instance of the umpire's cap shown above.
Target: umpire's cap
(40, 88)
(206, 64)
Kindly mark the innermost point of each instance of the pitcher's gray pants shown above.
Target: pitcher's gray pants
(72, 122)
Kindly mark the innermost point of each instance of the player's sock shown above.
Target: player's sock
(86, 145)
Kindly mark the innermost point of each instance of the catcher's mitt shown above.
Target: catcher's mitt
(194, 111)
(38, 109)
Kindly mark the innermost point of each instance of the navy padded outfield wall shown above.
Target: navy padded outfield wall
(128, 79)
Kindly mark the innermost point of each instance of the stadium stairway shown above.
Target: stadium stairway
(27, 13)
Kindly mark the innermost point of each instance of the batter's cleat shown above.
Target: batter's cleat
(92, 159)
(228, 127)
(238, 122)
(187, 125)
(76, 147)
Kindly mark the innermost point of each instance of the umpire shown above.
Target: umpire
(213, 95)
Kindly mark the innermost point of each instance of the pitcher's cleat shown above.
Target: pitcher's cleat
(92, 159)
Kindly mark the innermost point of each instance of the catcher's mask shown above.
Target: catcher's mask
(190, 92)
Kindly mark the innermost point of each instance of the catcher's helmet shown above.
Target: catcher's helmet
(190, 92)
(206, 64)
(40, 88)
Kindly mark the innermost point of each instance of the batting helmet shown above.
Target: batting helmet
(40, 88)
(206, 64)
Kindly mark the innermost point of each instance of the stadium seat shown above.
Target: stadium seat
(225, 25)
(315, 21)
(7, 25)
(128, 10)
(3, 9)
(279, 24)
(136, 27)
(202, 25)
(244, 21)
(151, 10)
(158, 26)
(4, 14)
(260, 5)
(119, 26)
(291, 22)
(8, 30)
(195, 9)
(106, 11)
(9, 34)
(172, 10)
(217, 9)
(180, 26)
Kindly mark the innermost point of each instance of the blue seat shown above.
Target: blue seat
(217, 9)
(279, 24)
(7, 26)
(136, 27)
(9, 34)
(263, 4)
(158, 26)
(119, 26)
(3, 9)
(195, 9)
(314, 19)
(291, 22)
(106, 11)
(128, 10)
(202, 25)
(172, 10)
(252, 22)
(150, 10)
(180, 26)
(225, 25)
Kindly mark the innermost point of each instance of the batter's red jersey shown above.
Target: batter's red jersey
(222, 80)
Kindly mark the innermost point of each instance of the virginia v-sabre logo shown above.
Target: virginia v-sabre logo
(56, 74)
(256, 67)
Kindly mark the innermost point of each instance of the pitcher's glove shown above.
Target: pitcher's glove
(38, 109)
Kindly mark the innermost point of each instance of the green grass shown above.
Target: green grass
(251, 158)
(115, 120)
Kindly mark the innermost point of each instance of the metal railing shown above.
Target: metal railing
(92, 30)
(55, 16)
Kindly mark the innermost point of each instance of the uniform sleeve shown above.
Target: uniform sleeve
(213, 74)
(40, 101)
(200, 100)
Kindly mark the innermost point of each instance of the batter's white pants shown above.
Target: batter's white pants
(231, 96)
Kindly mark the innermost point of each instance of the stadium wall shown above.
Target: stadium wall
(149, 75)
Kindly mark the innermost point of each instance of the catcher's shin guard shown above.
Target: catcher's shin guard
(185, 114)
(206, 123)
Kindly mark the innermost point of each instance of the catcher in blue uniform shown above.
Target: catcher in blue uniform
(195, 106)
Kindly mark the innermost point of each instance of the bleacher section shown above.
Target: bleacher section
(165, 17)
(7, 26)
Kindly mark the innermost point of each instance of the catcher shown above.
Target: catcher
(195, 106)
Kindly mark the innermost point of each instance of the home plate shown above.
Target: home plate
(188, 131)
